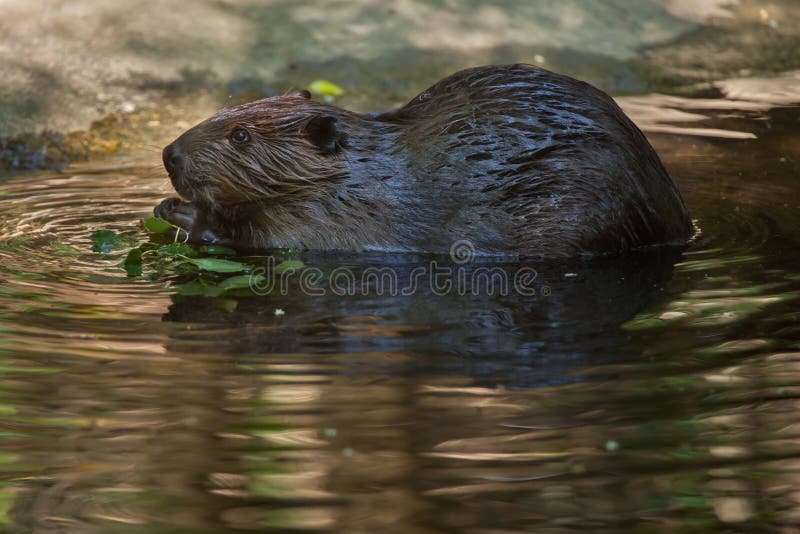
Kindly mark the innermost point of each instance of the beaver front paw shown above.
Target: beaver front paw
(196, 225)
(178, 212)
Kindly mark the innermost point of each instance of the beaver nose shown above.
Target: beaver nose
(173, 158)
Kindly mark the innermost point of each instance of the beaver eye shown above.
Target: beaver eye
(240, 136)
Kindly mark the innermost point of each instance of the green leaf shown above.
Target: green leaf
(217, 265)
(177, 249)
(289, 265)
(243, 281)
(325, 88)
(103, 235)
(217, 250)
(133, 262)
(156, 225)
(107, 240)
(196, 289)
(134, 257)
(133, 270)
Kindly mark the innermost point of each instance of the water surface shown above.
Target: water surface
(657, 391)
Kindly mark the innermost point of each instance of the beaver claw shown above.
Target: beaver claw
(163, 210)
(195, 225)
(178, 212)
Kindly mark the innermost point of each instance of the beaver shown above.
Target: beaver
(514, 159)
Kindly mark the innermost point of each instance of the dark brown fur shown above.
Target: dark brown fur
(513, 158)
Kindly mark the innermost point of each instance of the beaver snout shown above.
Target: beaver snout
(173, 159)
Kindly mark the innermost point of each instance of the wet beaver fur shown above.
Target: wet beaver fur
(515, 159)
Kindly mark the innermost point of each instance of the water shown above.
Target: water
(654, 392)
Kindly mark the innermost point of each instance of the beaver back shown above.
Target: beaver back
(552, 164)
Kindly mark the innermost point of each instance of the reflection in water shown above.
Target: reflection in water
(655, 390)
(495, 334)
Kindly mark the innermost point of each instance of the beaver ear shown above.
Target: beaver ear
(326, 133)
(301, 93)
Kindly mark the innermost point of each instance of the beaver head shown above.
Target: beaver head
(253, 154)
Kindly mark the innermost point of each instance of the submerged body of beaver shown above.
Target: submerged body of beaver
(513, 159)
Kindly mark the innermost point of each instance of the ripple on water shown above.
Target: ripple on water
(57, 296)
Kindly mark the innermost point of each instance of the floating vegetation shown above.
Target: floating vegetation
(192, 270)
